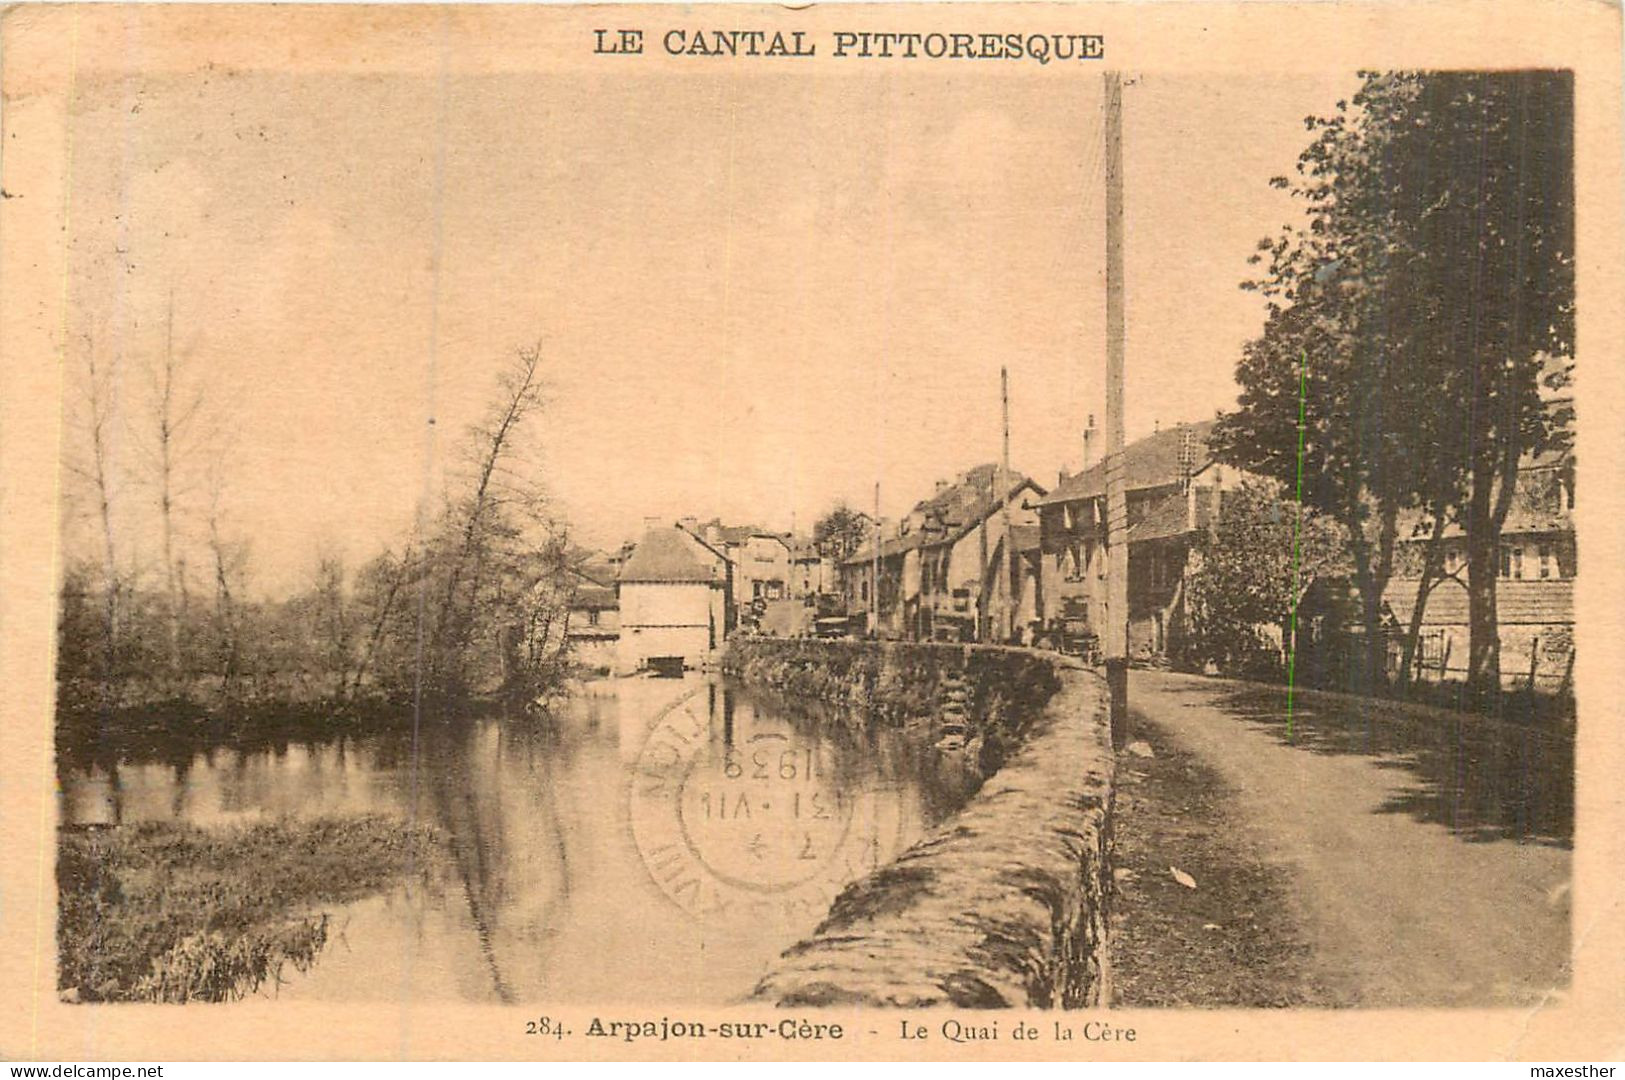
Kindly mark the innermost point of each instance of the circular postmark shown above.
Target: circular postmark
(758, 819)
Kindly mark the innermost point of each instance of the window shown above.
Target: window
(1511, 562)
(592, 617)
(1547, 568)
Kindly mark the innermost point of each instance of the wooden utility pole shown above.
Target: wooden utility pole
(1008, 570)
(1116, 637)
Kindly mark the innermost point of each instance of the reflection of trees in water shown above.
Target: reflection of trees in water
(177, 801)
(466, 775)
(528, 805)
(115, 794)
(547, 747)
(474, 835)
(235, 783)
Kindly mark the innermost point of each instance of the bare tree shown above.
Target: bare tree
(490, 515)
(382, 586)
(176, 407)
(333, 620)
(97, 472)
(230, 559)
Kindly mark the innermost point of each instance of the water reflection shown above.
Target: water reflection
(653, 840)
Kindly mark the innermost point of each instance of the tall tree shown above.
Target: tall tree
(332, 621)
(493, 539)
(97, 472)
(176, 404)
(383, 588)
(1486, 180)
(1409, 318)
(230, 561)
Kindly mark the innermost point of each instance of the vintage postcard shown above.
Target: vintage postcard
(1074, 532)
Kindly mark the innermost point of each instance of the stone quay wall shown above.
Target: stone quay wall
(1006, 902)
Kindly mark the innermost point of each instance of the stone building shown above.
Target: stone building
(1537, 565)
(943, 574)
(1534, 589)
(760, 557)
(811, 574)
(1174, 489)
(676, 602)
(594, 626)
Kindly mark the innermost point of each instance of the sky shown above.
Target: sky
(755, 293)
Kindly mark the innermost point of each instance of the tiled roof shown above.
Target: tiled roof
(894, 545)
(954, 511)
(668, 555)
(1538, 507)
(740, 534)
(1167, 515)
(595, 598)
(1150, 462)
(594, 568)
(1517, 602)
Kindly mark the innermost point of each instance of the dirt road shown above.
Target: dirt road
(1426, 855)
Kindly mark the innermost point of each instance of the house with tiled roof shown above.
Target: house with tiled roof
(811, 573)
(945, 571)
(676, 603)
(1534, 589)
(761, 559)
(1174, 489)
(593, 627)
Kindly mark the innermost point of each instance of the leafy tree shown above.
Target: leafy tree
(1409, 319)
(841, 532)
(1240, 593)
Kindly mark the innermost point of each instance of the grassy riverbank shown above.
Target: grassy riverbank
(163, 912)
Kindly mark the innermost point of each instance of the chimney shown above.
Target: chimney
(692, 524)
(1187, 454)
(650, 523)
(942, 485)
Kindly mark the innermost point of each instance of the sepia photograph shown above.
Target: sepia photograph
(694, 522)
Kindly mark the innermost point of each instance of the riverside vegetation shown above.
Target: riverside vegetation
(173, 913)
(471, 607)
(159, 661)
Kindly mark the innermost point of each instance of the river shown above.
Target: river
(651, 841)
